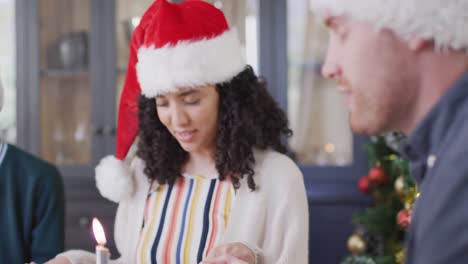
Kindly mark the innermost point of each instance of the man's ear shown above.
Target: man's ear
(417, 44)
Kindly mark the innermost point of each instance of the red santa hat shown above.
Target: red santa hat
(442, 21)
(180, 45)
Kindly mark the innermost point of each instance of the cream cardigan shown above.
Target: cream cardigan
(272, 221)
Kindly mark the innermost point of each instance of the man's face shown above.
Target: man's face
(372, 70)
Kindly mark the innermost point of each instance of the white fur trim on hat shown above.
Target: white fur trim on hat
(113, 179)
(445, 22)
(189, 64)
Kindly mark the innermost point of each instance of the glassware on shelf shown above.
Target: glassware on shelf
(129, 26)
(65, 82)
(69, 52)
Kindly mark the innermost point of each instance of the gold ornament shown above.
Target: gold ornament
(410, 195)
(400, 256)
(356, 244)
(400, 185)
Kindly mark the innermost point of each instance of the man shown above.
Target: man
(31, 207)
(402, 66)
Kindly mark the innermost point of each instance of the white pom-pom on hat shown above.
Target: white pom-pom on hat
(113, 179)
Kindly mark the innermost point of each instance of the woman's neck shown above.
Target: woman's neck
(201, 164)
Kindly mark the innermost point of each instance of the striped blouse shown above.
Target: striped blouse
(184, 221)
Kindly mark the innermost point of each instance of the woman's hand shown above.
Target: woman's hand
(57, 260)
(233, 253)
(226, 259)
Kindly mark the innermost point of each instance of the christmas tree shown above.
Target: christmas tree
(380, 229)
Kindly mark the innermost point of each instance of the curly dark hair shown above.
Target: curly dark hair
(249, 118)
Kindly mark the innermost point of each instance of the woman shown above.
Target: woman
(210, 182)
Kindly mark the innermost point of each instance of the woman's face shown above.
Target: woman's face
(191, 116)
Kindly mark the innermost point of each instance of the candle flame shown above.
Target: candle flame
(99, 232)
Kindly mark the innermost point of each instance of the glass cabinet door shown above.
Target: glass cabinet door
(65, 93)
(243, 16)
(322, 136)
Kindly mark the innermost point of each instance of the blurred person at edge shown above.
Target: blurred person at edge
(402, 66)
(32, 206)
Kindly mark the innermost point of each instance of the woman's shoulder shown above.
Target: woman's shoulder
(273, 159)
(137, 164)
(137, 167)
(272, 166)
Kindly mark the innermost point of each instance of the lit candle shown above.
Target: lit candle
(102, 253)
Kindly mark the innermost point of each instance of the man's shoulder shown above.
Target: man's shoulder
(457, 134)
(27, 158)
(21, 161)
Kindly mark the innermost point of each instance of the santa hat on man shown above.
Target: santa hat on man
(444, 22)
(187, 44)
